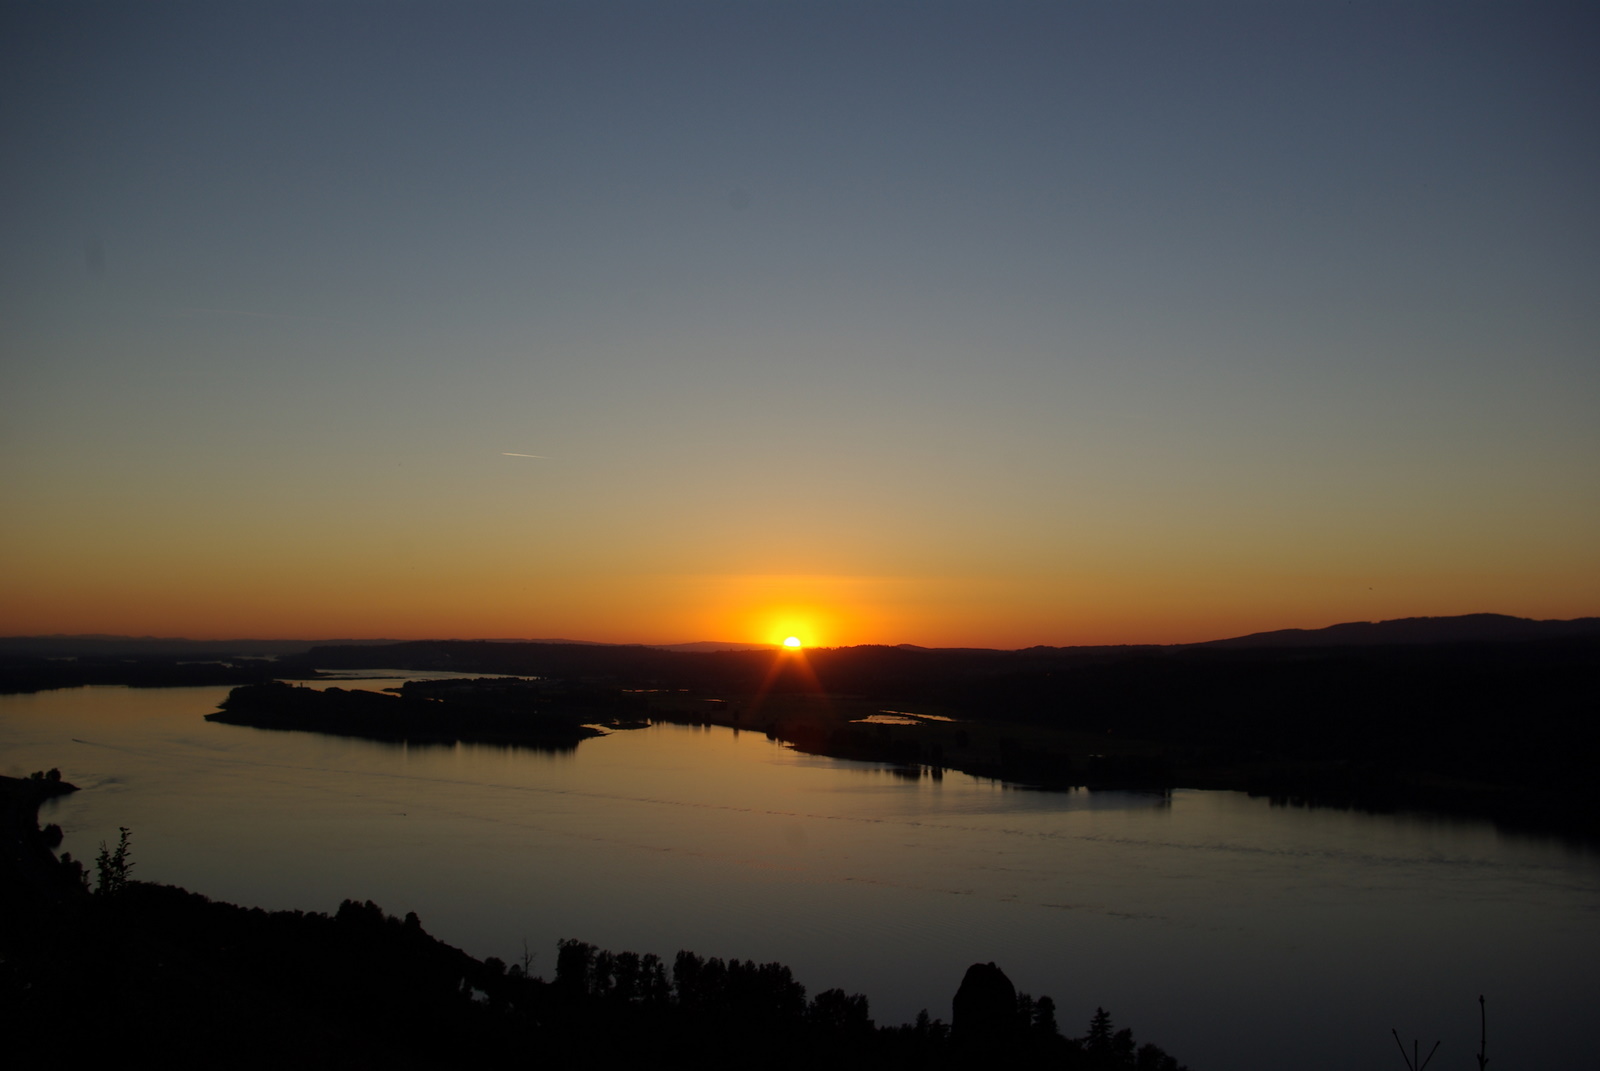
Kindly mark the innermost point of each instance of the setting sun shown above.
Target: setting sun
(871, 527)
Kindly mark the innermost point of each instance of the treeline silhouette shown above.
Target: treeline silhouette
(531, 714)
(1503, 729)
(149, 974)
(23, 672)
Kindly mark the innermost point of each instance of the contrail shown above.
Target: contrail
(192, 309)
(508, 453)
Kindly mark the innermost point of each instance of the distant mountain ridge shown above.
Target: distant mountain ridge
(107, 646)
(709, 646)
(1466, 628)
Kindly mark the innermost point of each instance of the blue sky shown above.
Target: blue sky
(939, 322)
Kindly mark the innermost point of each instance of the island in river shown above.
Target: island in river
(507, 711)
(1506, 729)
(1483, 714)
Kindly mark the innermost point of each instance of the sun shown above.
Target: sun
(792, 642)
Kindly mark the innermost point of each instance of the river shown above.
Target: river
(1238, 935)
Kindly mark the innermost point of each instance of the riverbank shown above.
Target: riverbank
(918, 739)
(158, 974)
(1106, 726)
(1467, 717)
(30, 874)
(1195, 916)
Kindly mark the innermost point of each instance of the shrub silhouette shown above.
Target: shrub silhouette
(114, 865)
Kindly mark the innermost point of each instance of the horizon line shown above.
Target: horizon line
(752, 644)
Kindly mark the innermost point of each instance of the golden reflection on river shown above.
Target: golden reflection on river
(1233, 933)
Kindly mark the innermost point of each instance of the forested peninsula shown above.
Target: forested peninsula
(1454, 719)
(510, 711)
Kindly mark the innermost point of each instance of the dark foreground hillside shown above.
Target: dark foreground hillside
(152, 975)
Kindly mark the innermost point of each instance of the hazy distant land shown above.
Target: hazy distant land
(1409, 630)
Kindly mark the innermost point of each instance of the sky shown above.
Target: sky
(988, 324)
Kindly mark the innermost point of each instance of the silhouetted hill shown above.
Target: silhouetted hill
(572, 660)
(102, 647)
(1467, 628)
(706, 646)
(141, 974)
(1409, 630)
(28, 673)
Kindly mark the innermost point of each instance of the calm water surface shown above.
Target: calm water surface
(1235, 934)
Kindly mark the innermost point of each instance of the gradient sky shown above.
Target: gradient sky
(946, 323)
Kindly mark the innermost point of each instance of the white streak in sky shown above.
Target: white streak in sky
(192, 310)
(507, 453)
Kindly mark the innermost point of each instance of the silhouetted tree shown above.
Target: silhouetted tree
(74, 869)
(1152, 1058)
(113, 865)
(654, 985)
(985, 1024)
(1044, 1017)
(835, 1013)
(626, 986)
(1122, 1047)
(574, 960)
(686, 971)
(1097, 1043)
(603, 974)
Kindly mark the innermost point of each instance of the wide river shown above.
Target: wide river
(1238, 935)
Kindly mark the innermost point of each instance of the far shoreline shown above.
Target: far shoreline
(1020, 755)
